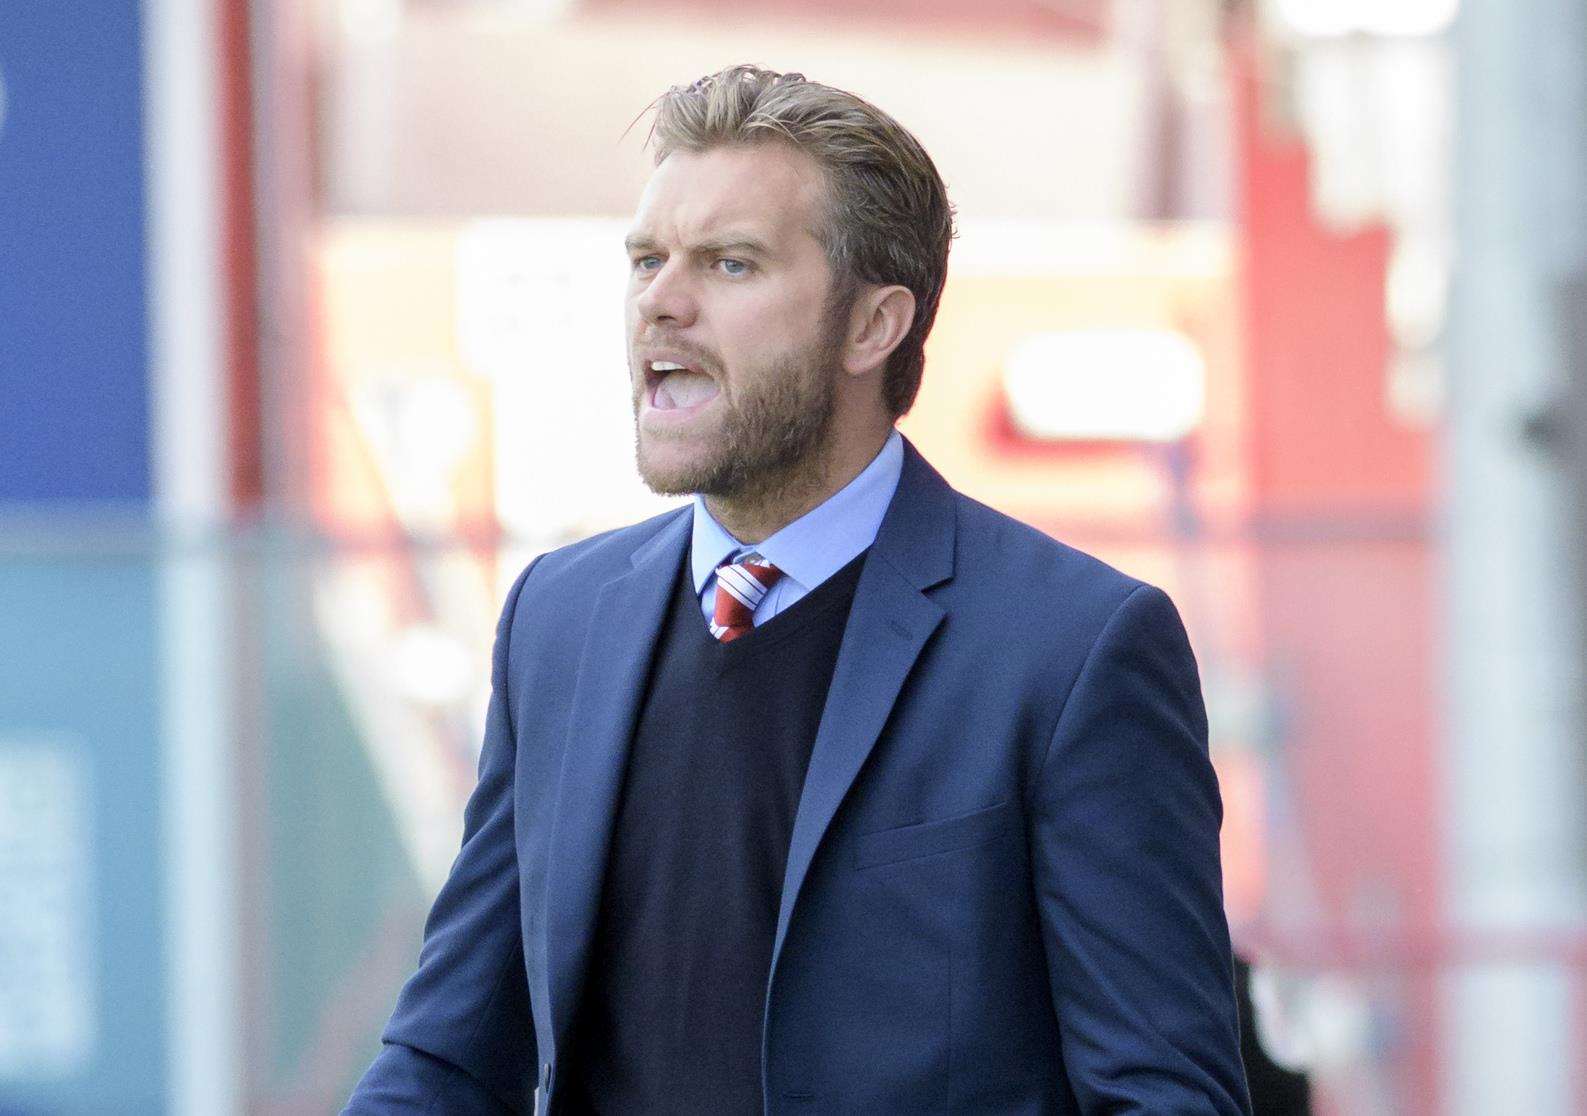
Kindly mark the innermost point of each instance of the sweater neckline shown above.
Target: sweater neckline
(836, 591)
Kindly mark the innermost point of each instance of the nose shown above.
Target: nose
(667, 299)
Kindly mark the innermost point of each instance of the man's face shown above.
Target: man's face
(728, 281)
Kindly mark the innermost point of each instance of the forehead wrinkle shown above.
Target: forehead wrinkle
(727, 242)
(734, 211)
(732, 239)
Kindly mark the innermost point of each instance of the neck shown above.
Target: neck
(753, 517)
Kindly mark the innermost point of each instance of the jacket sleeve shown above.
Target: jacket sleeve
(1125, 818)
(461, 1039)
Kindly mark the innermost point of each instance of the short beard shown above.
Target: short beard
(773, 440)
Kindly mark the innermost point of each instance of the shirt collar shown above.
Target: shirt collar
(819, 543)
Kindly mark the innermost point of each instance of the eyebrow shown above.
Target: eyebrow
(742, 245)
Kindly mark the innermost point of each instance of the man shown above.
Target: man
(834, 790)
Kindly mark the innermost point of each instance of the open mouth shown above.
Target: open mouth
(677, 387)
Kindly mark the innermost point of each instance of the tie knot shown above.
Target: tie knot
(740, 587)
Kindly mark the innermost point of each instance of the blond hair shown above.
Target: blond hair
(887, 220)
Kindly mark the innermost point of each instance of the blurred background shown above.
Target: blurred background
(310, 337)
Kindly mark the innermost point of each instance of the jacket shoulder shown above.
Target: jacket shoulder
(995, 547)
(1041, 606)
(1022, 587)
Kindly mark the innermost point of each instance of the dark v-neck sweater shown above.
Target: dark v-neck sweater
(670, 1021)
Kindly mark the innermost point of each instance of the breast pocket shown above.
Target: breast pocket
(907, 842)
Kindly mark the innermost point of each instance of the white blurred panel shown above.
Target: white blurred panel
(46, 948)
(540, 314)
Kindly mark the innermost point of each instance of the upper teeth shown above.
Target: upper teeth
(665, 366)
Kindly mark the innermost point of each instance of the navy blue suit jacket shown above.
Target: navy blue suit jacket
(1003, 890)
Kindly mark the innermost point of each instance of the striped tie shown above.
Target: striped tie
(740, 586)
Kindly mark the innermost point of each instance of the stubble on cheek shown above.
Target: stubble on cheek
(770, 434)
(763, 441)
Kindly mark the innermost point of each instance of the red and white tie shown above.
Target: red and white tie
(740, 586)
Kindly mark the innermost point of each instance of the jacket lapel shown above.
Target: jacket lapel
(889, 623)
(624, 632)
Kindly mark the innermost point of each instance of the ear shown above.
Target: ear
(878, 322)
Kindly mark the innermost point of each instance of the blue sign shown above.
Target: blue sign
(83, 1020)
(74, 375)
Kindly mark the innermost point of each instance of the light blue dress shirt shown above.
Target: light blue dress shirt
(810, 549)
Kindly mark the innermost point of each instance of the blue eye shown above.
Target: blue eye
(733, 267)
(643, 263)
